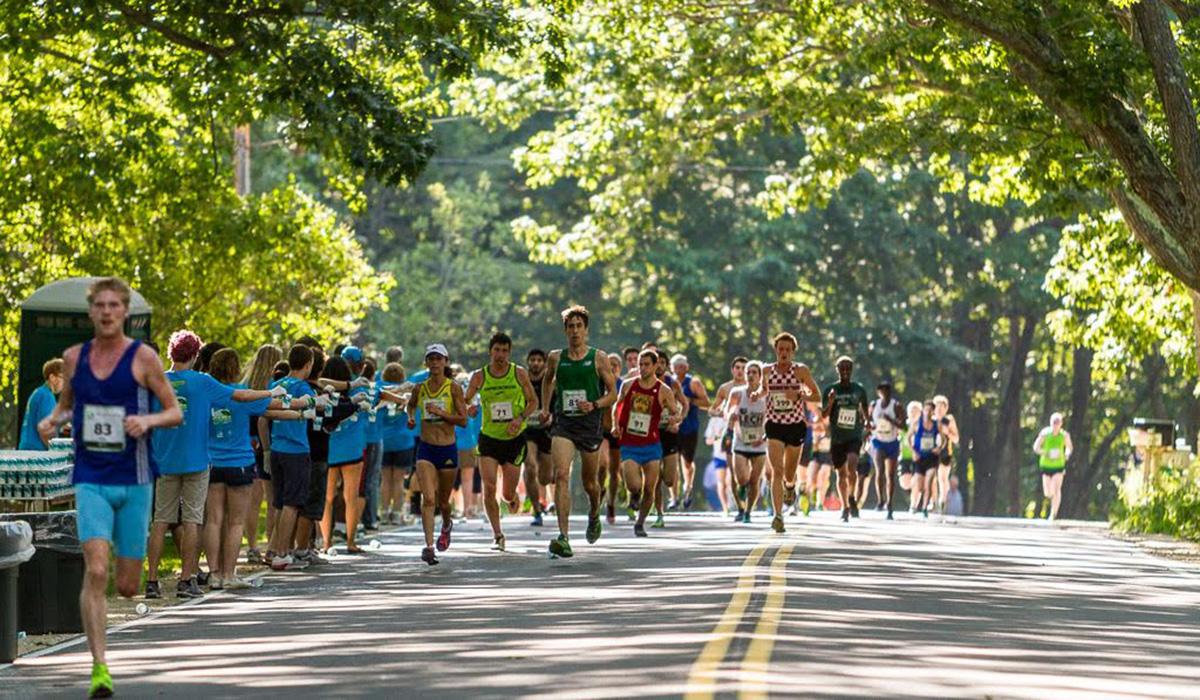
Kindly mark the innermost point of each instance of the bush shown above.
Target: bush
(1169, 506)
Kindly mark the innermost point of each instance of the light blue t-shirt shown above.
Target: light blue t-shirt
(467, 438)
(229, 432)
(184, 448)
(348, 440)
(291, 436)
(393, 427)
(41, 404)
(371, 430)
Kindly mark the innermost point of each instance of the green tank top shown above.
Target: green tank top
(576, 381)
(906, 451)
(501, 399)
(1054, 451)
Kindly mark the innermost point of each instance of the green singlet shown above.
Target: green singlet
(846, 421)
(906, 450)
(501, 399)
(1054, 452)
(576, 381)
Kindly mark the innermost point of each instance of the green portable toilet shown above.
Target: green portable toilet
(53, 319)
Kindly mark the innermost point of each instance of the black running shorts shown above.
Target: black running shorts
(503, 451)
(790, 434)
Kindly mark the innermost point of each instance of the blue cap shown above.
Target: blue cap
(352, 354)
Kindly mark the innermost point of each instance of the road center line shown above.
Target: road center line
(756, 663)
(702, 678)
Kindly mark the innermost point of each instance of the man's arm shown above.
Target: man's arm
(459, 417)
(531, 405)
(549, 381)
(718, 402)
(700, 395)
(1068, 446)
(607, 379)
(616, 407)
(807, 382)
(473, 387)
(666, 395)
(150, 374)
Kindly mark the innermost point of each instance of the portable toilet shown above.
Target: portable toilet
(54, 318)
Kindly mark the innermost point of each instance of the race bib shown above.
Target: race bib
(571, 401)
(927, 443)
(502, 411)
(639, 424)
(104, 428)
(440, 402)
(847, 418)
(886, 432)
(1055, 453)
(781, 403)
(752, 434)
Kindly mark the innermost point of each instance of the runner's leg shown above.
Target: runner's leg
(490, 469)
(563, 453)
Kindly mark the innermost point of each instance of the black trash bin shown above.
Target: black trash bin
(16, 548)
(50, 582)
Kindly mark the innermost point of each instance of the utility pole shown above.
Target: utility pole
(241, 159)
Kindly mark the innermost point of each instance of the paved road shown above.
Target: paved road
(912, 609)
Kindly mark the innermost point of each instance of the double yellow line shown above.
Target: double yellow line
(755, 666)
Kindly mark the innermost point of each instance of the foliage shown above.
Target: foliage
(1171, 507)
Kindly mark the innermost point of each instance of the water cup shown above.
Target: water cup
(142, 608)
(375, 545)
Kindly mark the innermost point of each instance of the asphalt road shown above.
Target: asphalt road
(912, 608)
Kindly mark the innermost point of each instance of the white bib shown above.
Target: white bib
(781, 403)
(847, 418)
(751, 434)
(571, 400)
(1055, 453)
(639, 424)
(926, 443)
(502, 411)
(440, 402)
(104, 428)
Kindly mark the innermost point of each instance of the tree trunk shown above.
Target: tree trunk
(1008, 424)
(1079, 426)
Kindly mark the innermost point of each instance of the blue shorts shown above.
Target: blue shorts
(440, 456)
(887, 450)
(719, 463)
(119, 514)
(642, 454)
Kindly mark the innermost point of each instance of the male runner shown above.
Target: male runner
(747, 416)
(669, 435)
(737, 370)
(846, 409)
(886, 426)
(611, 453)
(639, 411)
(949, 428)
(786, 386)
(506, 399)
(689, 429)
(576, 374)
(106, 396)
(539, 465)
(1053, 447)
(440, 400)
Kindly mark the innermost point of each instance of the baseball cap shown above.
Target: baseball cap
(437, 349)
(352, 354)
(679, 358)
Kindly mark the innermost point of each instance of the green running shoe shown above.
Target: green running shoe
(560, 547)
(806, 504)
(102, 685)
(593, 529)
(659, 523)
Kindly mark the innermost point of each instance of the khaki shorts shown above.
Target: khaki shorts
(179, 498)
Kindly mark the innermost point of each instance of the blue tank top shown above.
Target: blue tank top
(926, 437)
(691, 422)
(98, 460)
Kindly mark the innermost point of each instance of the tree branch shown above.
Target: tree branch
(1169, 74)
(145, 19)
(1152, 235)
(1184, 10)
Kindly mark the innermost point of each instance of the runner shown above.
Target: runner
(722, 455)
(949, 429)
(908, 462)
(737, 370)
(886, 428)
(927, 443)
(611, 455)
(747, 416)
(786, 386)
(106, 397)
(576, 374)
(442, 406)
(689, 429)
(669, 435)
(506, 399)
(41, 404)
(539, 465)
(846, 410)
(1053, 448)
(639, 410)
(820, 464)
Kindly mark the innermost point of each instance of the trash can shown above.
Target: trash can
(16, 548)
(50, 582)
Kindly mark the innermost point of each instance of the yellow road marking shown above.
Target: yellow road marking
(703, 677)
(757, 661)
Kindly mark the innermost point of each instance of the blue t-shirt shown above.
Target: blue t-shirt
(348, 440)
(291, 436)
(184, 448)
(467, 438)
(229, 433)
(371, 430)
(41, 404)
(393, 427)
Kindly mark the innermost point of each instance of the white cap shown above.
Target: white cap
(679, 358)
(437, 349)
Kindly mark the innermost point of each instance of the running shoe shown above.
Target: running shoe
(889, 515)
(202, 578)
(632, 514)
(740, 514)
(853, 508)
(443, 540)
(687, 502)
(789, 494)
(639, 530)
(673, 504)
(880, 506)
(537, 521)
(216, 583)
(846, 515)
(634, 503)
(428, 556)
(659, 523)
(746, 517)
(593, 529)
(188, 588)
(253, 556)
(237, 584)
(560, 547)
(153, 590)
(777, 525)
(498, 545)
(102, 685)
